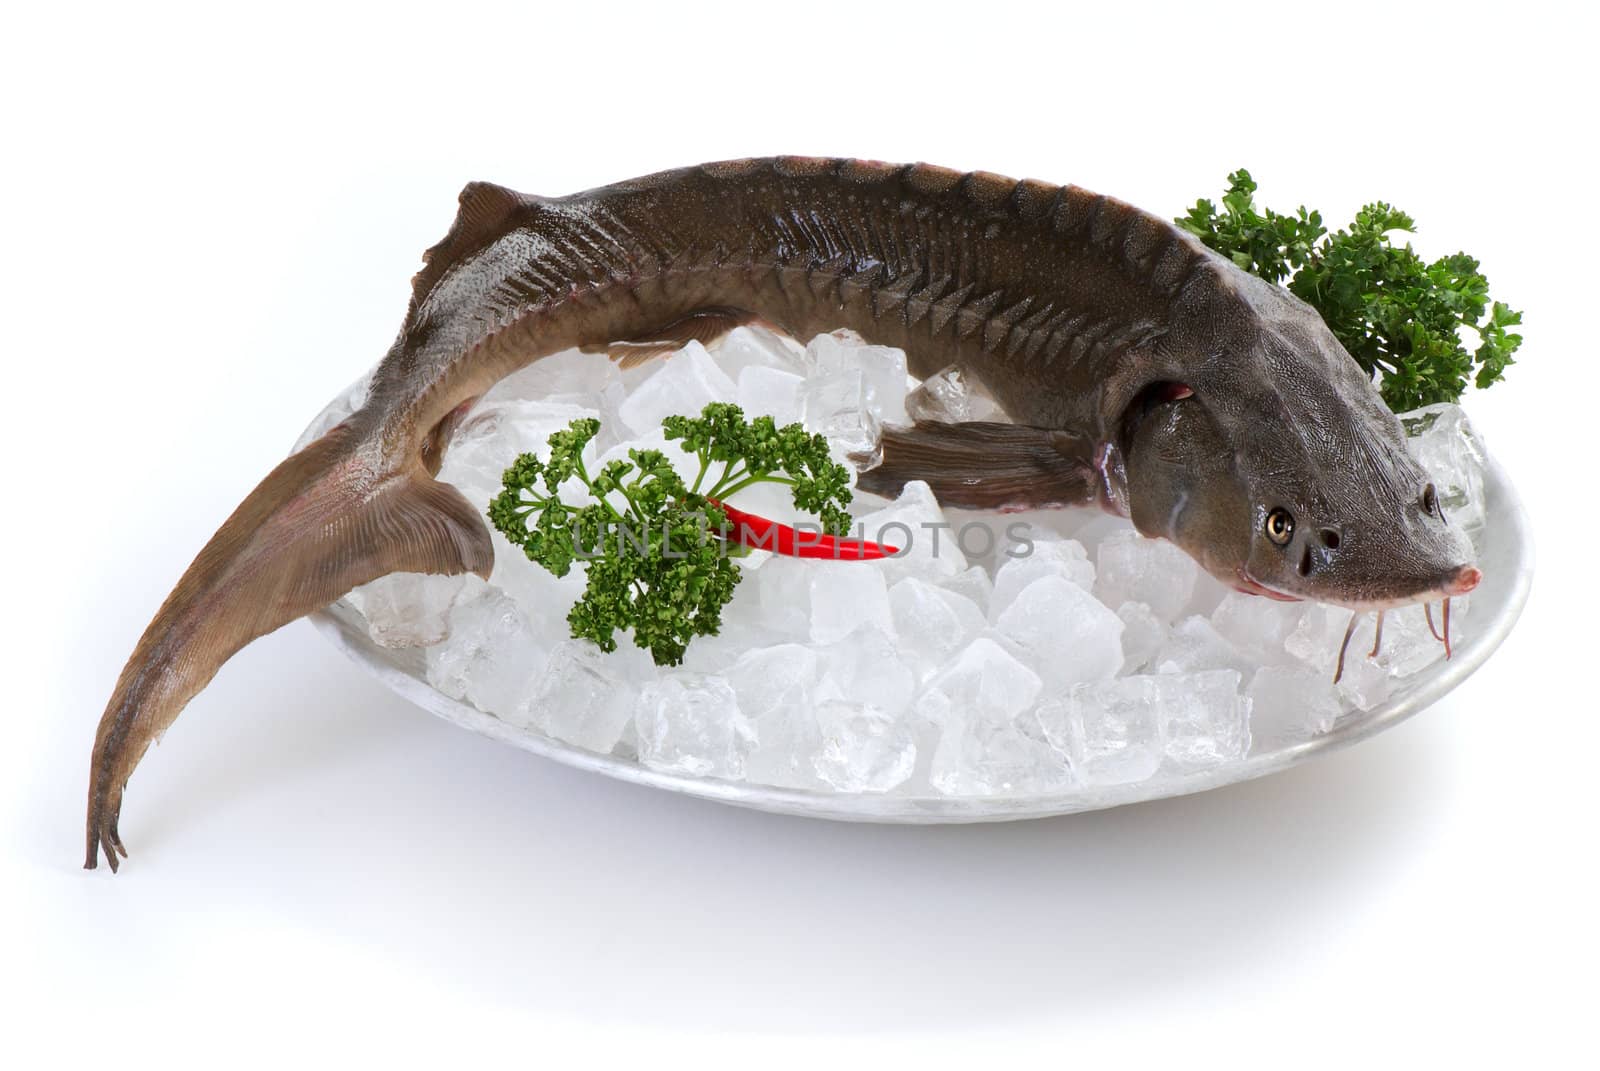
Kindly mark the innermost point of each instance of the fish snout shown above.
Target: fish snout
(1369, 566)
(1463, 580)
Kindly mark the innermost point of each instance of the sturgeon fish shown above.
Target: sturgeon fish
(1141, 372)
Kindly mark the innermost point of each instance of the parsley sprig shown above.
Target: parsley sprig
(1398, 315)
(654, 547)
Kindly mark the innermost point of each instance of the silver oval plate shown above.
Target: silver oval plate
(1505, 554)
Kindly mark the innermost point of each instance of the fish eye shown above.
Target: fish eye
(1280, 526)
(1430, 500)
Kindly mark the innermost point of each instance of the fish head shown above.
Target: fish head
(1183, 482)
(1276, 464)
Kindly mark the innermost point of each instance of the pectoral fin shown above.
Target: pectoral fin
(704, 326)
(986, 465)
(425, 526)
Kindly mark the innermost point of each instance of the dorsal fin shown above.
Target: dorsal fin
(487, 211)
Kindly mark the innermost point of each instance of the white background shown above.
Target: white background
(209, 226)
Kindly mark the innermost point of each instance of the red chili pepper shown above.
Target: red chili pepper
(750, 530)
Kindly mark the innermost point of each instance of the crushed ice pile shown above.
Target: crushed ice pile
(975, 664)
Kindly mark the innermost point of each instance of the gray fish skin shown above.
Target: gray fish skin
(1162, 382)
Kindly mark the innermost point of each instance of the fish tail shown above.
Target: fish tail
(326, 520)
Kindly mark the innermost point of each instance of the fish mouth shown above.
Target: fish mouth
(1458, 581)
(1249, 585)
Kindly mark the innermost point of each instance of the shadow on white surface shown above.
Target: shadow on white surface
(298, 794)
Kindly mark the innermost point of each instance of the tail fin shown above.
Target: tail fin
(321, 523)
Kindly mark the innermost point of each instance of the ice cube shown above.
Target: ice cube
(1196, 645)
(744, 609)
(716, 653)
(1143, 634)
(775, 688)
(983, 681)
(979, 757)
(785, 754)
(1445, 444)
(1208, 594)
(1110, 731)
(1366, 682)
(772, 392)
(973, 583)
(494, 435)
(784, 591)
(867, 667)
(845, 595)
(954, 397)
(490, 659)
(1042, 556)
(1089, 527)
(1290, 704)
(687, 381)
(690, 723)
(1409, 646)
(1204, 720)
(613, 429)
(1067, 634)
(743, 629)
(774, 681)
(585, 696)
(915, 525)
(569, 372)
(1258, 626)
(932, 623)
(1316, 638)
(755, 347)
(863, 749)
(544, 598)
(410, 609)
(1130, 567)
(1010, 535)
(852, 389)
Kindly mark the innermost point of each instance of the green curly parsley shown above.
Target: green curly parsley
(1399, 316)
(654, 564)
